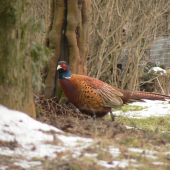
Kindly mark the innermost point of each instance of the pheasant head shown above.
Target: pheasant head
(64, 71)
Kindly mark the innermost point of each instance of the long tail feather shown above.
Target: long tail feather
(148, 95)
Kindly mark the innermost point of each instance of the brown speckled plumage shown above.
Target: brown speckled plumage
(94, 97)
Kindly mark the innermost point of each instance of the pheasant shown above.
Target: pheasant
(94, 97)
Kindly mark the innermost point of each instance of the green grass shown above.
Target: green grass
(150, 123)
(131, 142)
(127, 108)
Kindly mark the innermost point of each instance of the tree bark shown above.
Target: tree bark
(15, 62)
(67, 36)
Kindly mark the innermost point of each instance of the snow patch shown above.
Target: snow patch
(32, 137)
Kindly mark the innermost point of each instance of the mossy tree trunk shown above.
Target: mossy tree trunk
(15, 62)
(67, 36)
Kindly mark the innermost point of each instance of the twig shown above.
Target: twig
(117, 9)
(134, 123)
(98, 10)
(156, 130)
(36, 96)
(160, 85)
(147, 81)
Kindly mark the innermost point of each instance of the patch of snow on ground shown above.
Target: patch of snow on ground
(32, 136)
(114, 151)
(3, 167)
(158, 163)
(154, 108)
(114, 164)
(142, 151)
(35, 140)
(25, 164)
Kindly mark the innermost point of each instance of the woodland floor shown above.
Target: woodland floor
(108, 133)
(115, 145)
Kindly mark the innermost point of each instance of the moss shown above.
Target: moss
(74, 167)
(39, 112)
(7, 15)
(131, 141)
(150, 123)
(127, 108)
(39, 55)
(28, 26)
(7, 19)
(106, 156)
(60, 92)
(164, 136)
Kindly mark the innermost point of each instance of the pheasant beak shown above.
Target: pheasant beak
(59, 67)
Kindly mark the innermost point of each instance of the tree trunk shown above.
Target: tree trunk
(67, 36)
(15, 63)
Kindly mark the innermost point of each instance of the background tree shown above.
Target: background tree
(20, 57)
(16, 90)
(67, 36)
(121, 33)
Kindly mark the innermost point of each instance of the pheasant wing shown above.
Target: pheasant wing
(110, 96)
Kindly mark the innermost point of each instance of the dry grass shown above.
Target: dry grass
(7, 161)
(72, 121)
(107, 133)
(76, 123)
(11, 144)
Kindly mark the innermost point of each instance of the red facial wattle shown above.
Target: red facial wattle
(64, 66)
